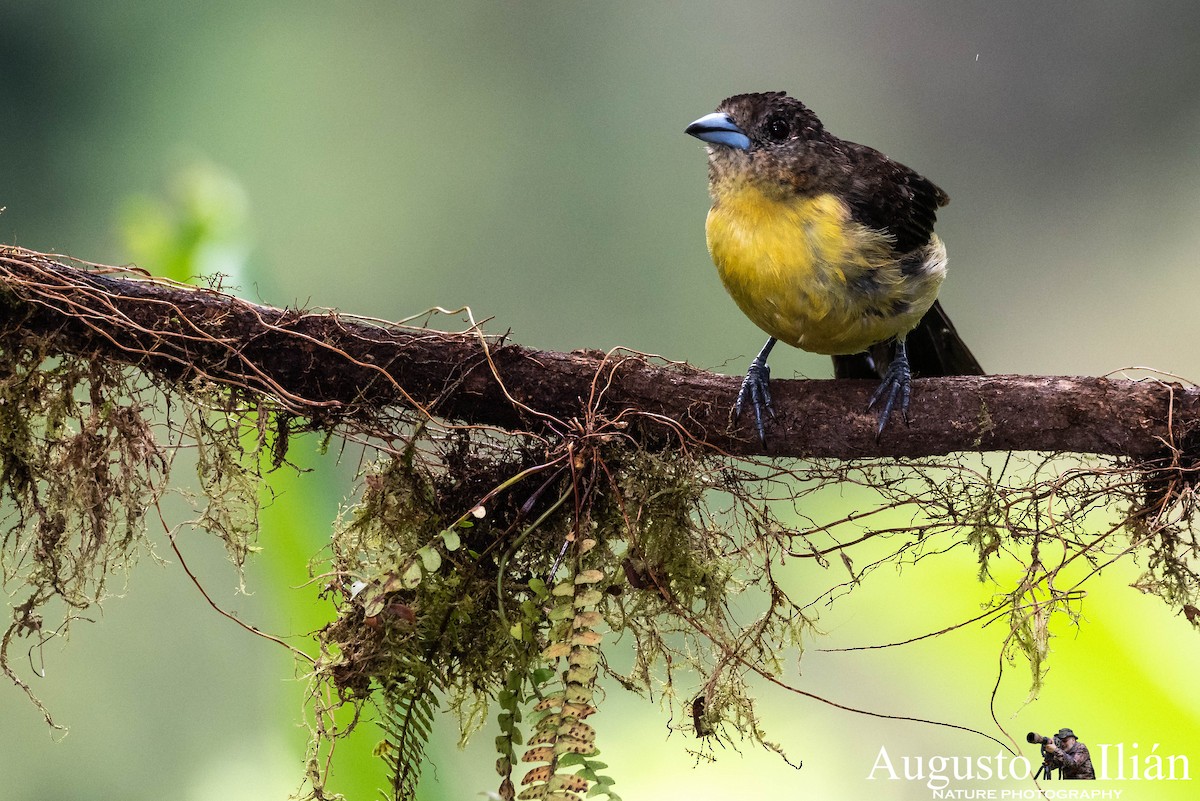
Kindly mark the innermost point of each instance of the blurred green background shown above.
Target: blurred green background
(527, 159)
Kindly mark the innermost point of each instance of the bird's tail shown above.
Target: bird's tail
(934, 349)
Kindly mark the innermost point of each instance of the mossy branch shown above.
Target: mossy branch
(459, 580)
(329, 367)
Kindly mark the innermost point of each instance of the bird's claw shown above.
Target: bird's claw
(756, 389)
(896, 384)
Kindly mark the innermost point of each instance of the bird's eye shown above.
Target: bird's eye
(777, 129)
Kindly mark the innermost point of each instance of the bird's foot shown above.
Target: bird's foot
(756, 391)
(895, 386)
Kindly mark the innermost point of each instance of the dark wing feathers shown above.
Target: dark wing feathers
(934, 349)
(886, 195)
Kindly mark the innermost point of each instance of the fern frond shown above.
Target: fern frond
(562, 740)
(407, 706)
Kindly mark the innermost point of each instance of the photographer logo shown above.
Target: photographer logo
(1060, 756)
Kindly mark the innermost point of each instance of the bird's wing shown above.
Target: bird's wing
(885, 195)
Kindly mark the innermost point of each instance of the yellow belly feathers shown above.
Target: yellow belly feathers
(808, 275)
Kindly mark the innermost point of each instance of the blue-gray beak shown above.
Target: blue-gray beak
(719, 129)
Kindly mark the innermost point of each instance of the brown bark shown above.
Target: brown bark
(330, 367)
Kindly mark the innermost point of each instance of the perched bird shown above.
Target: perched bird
(828, 246)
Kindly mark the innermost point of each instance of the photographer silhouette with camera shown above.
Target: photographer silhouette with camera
(1064, 752)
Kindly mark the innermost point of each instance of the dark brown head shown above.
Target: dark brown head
(768, 138)
(771, 119)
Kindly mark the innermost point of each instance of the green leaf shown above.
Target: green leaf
(587, 598)
(539, 588)
(451, 540)
(430, 558)
(411, 577)
(373, 603)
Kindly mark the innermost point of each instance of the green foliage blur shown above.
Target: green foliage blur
(196, 230)
(527, 159)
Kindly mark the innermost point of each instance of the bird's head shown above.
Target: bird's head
(765, 137)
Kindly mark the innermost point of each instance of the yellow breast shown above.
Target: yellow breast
(808, 275)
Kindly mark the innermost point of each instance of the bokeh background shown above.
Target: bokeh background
(527, 159)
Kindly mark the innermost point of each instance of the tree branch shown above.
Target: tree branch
(328, 366)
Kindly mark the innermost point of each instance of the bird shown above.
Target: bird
(828, 246)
